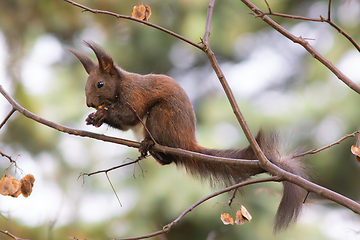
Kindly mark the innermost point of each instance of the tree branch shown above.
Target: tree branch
(208, 20)
(95, 11)
(313, 151)
(129, 143)
(264, 162)
(329, 11)
(304, 44)
(7, 117)
(215, 65)
(8, 157)
(320, 19)
(113, 168)
(192, 207)
(11, 235)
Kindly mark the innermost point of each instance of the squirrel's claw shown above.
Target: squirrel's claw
(145, 145)
(97, 118)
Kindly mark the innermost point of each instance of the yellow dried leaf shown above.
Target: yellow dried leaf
(147, 12)
(242, 215)
(240, 220)
(245, 213)
(10, 186)
(227, 219)
(27, 184)
(356, 151)
(142, 12)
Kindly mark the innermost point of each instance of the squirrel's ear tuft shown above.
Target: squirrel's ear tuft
(88, 64)
(106, 63)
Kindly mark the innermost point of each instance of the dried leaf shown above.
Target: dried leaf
(245, 213)
(147, 12)
(10, 186)
(240, 220)
(141, 12)
(242, 215)
(356, 151)
(27, 184)
(227, 219)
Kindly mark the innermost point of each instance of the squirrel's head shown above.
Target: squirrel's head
(102, 85)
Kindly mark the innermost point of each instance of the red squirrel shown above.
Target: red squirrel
(122, 98)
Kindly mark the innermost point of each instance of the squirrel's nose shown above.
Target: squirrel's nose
(89, 104)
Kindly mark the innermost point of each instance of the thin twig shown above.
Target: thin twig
(232, 197)
(329, 11)
(313, 151)
(268, 6)
(284, 15)
(306, 197)
(192, 207)
(12, 162)
(110, 169)
(8, 157)
(107, 176)
(345, 34)
(142, 122)
(142, 170)
(304, 44)
(7, 117)
(320, 19)
(95, 11)
(157, 233)
(11, 235)
(113, 168)
(208, 20)
(236, 186)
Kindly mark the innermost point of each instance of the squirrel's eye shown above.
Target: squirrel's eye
(100, 84)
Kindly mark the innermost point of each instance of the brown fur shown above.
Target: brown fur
(169, 117)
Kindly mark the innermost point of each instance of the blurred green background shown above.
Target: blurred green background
(277, 85)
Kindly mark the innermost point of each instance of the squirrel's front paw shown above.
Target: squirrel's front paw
(96, 118)
(90, 119)
(145, 145)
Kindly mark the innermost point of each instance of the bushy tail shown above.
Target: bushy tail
(229, 174)
(293, 195)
